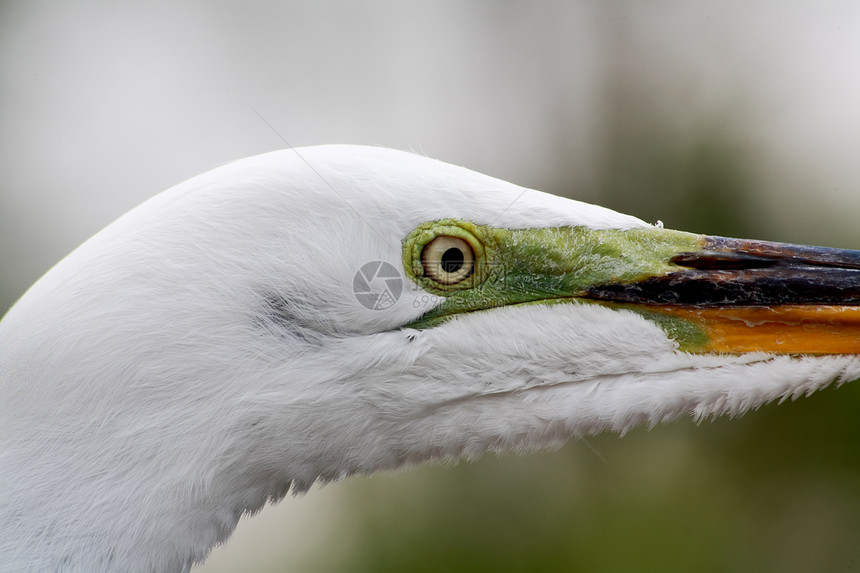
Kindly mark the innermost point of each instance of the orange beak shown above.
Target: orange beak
(750, 296)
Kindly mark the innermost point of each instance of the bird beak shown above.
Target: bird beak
(711, 294)
(748, 296)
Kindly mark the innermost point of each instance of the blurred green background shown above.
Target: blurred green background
(728, 119)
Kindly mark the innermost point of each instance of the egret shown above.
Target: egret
(306, 315)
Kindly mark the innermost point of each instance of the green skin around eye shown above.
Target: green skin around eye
(551, 265)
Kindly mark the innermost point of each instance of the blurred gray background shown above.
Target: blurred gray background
(720, 118)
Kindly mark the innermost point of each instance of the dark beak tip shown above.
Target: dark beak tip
(734, 272)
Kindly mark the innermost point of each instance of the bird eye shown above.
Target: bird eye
(448, 260)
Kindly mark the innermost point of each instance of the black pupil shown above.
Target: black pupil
(452, 260)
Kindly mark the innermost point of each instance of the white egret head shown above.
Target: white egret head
(309, 314)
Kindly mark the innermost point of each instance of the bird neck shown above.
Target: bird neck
(151, 467)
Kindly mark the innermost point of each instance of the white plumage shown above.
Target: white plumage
(205, 353)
